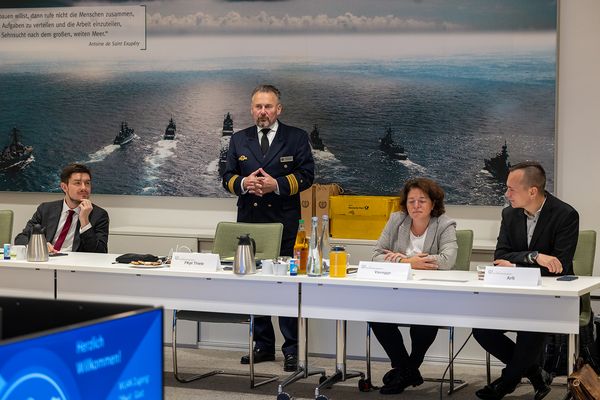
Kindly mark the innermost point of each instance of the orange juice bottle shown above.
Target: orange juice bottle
(303, 258)
(301, 248)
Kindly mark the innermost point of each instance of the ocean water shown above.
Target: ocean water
(448, 113)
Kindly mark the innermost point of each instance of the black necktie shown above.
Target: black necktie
(264, 141)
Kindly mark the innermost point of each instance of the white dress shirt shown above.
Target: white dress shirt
(68, 243)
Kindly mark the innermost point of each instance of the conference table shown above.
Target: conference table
(97, 277)
(443, 298)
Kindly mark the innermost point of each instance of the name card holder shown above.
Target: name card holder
(205, 262)
(384, 271)
(513, 276)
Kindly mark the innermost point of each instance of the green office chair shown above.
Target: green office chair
(267, 237)
(464, 239)
(583, 265)
(268, 242)
(6, 226)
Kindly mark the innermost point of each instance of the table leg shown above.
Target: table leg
(341, 374)
(304, 370)
(573, 351)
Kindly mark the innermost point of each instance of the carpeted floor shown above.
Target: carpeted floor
(236, 387)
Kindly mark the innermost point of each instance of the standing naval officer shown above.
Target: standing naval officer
(268, 165)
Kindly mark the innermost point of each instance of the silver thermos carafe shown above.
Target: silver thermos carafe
(37, 249)
(243, 262)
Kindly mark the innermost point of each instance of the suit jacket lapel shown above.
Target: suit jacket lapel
(253, 145)
(54, 212)
(277, 145)
(76, 237)
(404, 234)
(521, 232)
(431, 234)
(543, 221)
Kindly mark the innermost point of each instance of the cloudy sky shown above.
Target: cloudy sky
(331, 16)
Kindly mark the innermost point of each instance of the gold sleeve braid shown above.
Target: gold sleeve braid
(231, 183)
(293, 184)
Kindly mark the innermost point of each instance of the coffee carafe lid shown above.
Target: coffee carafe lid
(37, 229)
(244, 240)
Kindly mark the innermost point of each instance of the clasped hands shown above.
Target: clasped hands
(260, 183)
(417, 261)
(551, 263)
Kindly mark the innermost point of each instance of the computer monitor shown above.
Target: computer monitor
(114, 357)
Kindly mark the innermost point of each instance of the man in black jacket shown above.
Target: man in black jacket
(538, 231)
(74, 223)
(268, 165)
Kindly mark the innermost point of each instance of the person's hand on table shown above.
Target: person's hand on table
(503, 263)
(552, 263)
(390, 256)
(422, 261)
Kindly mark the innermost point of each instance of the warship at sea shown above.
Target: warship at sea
(225, 137)
(387, 145)
(498, 166)
(125, 135)
(315, 140)
(170, 131)
(15, 154)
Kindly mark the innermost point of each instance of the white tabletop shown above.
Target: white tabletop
(464, 281)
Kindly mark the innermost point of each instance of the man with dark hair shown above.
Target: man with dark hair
(538, 231)
(268, 165)
(74, 223)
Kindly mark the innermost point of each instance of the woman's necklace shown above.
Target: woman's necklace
(412, 230)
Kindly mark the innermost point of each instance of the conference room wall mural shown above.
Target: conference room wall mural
(388, 89)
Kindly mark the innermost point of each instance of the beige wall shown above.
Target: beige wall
(578, 141)
(578, 145)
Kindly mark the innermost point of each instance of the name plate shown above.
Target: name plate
(384, 271)
(512, 276)
(207, 262)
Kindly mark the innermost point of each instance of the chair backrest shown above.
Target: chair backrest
(583, 261)
(464, 239)
(266, 236)
(6, 226)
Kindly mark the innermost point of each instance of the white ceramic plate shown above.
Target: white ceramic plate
(143, 266)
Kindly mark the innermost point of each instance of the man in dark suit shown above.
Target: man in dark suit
(538, 231)
(268, 165)
(74, 223)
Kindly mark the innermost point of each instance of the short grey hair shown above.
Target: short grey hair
(267, 89)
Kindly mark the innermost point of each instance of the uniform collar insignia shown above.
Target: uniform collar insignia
(243, 158)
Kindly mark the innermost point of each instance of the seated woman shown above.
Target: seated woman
(423, 236)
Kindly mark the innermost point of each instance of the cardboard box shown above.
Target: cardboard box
(321, 199)
(307, 209)
(360, 217)
(314, 201)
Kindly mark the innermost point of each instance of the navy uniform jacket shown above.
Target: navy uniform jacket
(555, 234)
(289, 161)
(94, 240)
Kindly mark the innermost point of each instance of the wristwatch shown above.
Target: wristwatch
(531, 257)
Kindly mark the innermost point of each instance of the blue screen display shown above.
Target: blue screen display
(120, 359)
